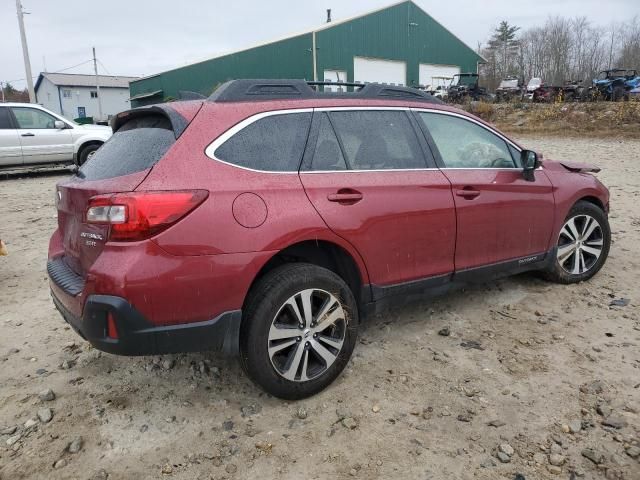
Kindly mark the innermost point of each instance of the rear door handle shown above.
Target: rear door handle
(29, 134)
(345, 196)
(468, 193)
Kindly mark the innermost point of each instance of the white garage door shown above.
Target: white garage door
(434, 75)
(378, 70)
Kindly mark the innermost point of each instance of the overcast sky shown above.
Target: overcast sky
(143, 37)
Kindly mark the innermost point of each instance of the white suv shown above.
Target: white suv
(31, 134)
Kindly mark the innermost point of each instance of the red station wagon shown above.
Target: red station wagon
(269, 218)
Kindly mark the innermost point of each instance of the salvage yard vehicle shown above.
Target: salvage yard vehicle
(509, 89)
(269, 219)
(540, 92)
(614, 84)
(465, 87)
(532, 86)
(31, 135)
(574, 91)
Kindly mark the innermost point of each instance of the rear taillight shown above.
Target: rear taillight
(136, 216)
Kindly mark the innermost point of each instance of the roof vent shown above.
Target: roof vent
(328, 15)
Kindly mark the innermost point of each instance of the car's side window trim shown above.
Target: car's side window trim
(436, 152)
(305, 164)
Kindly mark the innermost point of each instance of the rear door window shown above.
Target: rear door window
(274, 143)
(137, 145)
(377, 140)
(327, 155)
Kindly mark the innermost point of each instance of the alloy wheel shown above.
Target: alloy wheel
(307, 335)
(580, 244)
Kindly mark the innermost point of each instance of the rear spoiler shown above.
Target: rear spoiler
(178, 122)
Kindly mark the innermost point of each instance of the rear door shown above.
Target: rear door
(10, 148)
(500, 215)
(41, 141)
(366, 173)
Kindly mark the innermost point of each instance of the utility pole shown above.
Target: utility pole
(95, 69)
(2, 88)
(25, 53)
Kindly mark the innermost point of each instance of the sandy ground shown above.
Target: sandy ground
(554, 365)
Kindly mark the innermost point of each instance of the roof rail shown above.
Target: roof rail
(248, 90)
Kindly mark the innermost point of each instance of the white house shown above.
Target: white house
(72, 95)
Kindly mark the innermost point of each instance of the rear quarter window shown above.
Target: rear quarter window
(274, 143)
(137, 145)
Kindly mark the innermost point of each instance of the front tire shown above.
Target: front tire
(582, 245)
(298, 331)
(87, 152)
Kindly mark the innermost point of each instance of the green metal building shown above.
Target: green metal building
(400, 44)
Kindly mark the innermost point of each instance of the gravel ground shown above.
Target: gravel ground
(533, 379)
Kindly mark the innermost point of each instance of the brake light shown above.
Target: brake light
(137, 216)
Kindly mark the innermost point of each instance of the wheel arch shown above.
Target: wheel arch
(593, 200)
(85, 144)
(326, 254)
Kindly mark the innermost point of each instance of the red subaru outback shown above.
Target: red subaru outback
(269, 218)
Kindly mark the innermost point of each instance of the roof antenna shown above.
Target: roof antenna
(328, 15)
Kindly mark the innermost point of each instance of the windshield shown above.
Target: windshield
(509, 83)
(534, 83)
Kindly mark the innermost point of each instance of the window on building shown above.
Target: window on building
(66, 93)
(94, 94)
(464, 144)
(378, 140)
(274, 143)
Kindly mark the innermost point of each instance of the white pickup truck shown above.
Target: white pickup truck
(32, 135)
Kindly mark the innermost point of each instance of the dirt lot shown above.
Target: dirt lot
(549, 373)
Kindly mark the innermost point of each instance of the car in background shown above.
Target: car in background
(465, 87)
(615, 84)
(509, 89)
(532, 86)
(31, 135)
(270, 218)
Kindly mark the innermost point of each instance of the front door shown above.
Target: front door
(371, 185)
(501, 216)
(41, 141)
(10, 148)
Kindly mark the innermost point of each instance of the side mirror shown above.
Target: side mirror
(59, 125)
(529, 160)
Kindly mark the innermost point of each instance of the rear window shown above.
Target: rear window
(136, 146)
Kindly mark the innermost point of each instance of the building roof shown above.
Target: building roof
(324, 26)
(78, 80)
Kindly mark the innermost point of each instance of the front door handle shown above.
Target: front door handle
(345, 196)
(28, 134)
(467, 192)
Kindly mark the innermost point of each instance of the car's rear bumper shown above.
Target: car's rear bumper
(137, 336)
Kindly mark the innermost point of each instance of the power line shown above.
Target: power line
(57, 71)
(102, 65)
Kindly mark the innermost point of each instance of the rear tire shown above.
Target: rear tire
(582, 245)
(291, 351)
